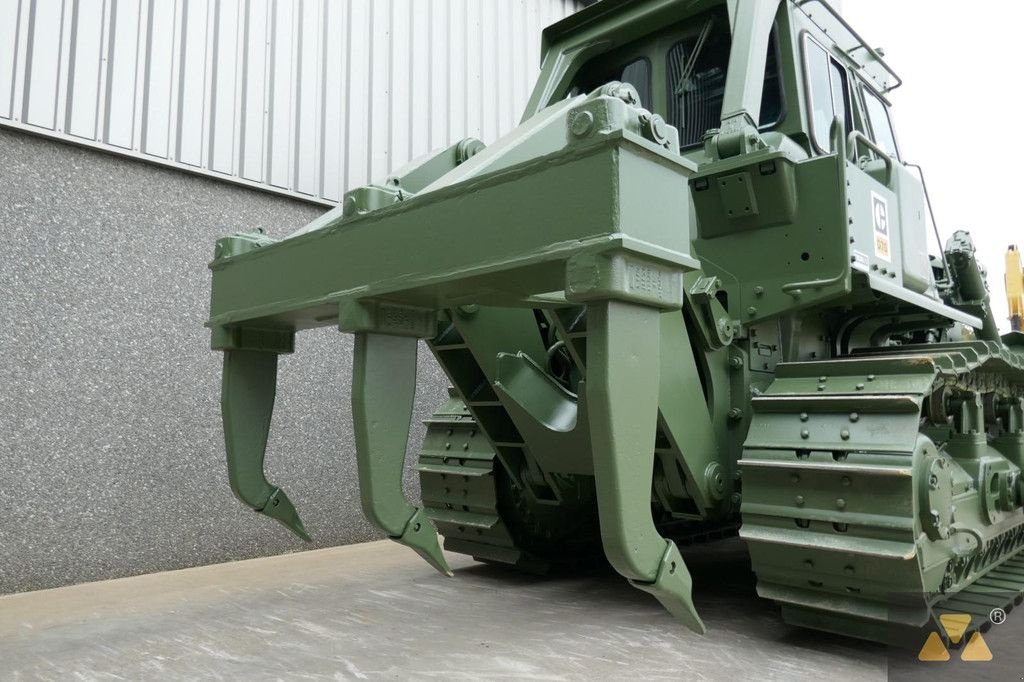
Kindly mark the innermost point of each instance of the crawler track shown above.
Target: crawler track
(481, 511)
(858, 488)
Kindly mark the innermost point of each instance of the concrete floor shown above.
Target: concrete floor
(376, 611)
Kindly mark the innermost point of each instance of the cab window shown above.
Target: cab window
(881, 122)
(636, 72)
(697, 67)
(695, 74)
(828, 94)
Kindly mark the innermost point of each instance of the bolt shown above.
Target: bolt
(655, 130)
(795, 478)
(735, 413)
(582, 123)
(736, 362)
(840, 503)
(846, 481)
(759, 290)
(805, 434)
(871, 377)
(736, 498)
(808, 563)
(859, 387)
(845, 434)
(849, 570)
(823, 378)
(799, 500)
(751, 311)
(804, 416)
(854, 417)
(821, 387)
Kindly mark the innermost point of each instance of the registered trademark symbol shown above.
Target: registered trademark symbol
(997, 616)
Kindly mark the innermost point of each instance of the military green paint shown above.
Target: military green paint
(647, 343)
(383, 389)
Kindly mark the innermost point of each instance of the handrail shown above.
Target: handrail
(931, 213)
(857, 136)
(870, 50)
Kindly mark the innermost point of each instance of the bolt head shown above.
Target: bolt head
(582, 123)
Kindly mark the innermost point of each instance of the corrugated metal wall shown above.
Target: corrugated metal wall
(307, 97)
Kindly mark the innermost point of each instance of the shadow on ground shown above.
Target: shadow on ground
(725, 593)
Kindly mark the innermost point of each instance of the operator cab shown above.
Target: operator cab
(680, 73)
(686, 67)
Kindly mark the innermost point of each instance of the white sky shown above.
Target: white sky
(962, 66)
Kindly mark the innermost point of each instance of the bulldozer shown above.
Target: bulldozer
(697, 292)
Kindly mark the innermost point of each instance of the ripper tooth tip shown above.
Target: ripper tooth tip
(281, 508)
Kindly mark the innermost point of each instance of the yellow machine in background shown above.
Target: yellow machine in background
(1014, 280)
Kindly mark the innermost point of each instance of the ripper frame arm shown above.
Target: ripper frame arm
(617, 242)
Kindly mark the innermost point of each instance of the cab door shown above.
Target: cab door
(885, 209)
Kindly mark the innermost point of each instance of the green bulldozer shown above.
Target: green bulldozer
(690, 296)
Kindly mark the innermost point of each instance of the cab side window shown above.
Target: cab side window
(636, 72)
(697, 67)
(828, 94)
(881, 122)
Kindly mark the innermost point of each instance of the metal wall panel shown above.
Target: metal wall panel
(304, 97)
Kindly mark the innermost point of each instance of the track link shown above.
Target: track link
(847, 505)
(458, 469)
